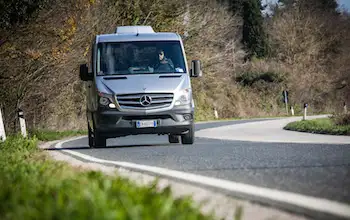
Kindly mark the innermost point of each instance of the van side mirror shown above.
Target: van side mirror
(196, 68)
(84, 73)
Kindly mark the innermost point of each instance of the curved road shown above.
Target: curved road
(320, 170)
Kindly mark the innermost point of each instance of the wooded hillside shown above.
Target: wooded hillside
(248, 58)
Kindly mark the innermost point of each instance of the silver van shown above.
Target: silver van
(138, 82)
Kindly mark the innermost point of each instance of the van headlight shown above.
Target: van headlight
(106, 100)
(183, 97)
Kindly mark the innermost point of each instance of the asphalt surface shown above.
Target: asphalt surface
(319, 170)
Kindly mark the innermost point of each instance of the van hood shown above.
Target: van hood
(155, 83)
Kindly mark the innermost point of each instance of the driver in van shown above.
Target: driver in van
(164, 64)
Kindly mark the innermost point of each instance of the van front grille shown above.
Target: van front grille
(144, 101)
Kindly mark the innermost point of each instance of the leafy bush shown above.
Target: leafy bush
(33, 187)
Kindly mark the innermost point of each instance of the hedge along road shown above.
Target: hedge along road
(316, 170)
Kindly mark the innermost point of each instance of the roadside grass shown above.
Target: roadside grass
(319, 126)
(50, 135)
(35, 187)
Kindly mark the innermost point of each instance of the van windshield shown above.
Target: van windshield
(140, 57)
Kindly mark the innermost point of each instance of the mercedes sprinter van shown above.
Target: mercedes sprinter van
(138, 82)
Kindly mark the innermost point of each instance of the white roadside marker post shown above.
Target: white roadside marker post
(345, 108)
(22, 123)
(292, 110)
(2, 128)
(285, 95)
(305, 111)
(216, 114)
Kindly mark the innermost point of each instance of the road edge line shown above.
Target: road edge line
(260, 194)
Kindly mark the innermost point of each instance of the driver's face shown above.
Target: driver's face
(161, 55)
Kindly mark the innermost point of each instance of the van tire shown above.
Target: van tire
(91, 137)
(188, 138)
(96, 140)
(99, 141)
(174, 139)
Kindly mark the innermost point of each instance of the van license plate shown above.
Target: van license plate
(146, 124)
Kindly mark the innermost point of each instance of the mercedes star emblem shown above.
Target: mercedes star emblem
(145, 100)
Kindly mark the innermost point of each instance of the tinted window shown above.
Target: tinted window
(140, 58)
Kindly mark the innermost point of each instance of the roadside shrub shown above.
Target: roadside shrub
(341, 119)
(15, 144)
(249, 78)
(34, 187)
(49, 135)
(319, 126)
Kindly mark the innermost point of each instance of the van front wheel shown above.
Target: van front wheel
(188, 138)
(99, 140)
(91, 137)
(96, 140)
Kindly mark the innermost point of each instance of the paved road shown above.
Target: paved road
(319, 170)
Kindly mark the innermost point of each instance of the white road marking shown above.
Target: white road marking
(270, 131)
(307, 202)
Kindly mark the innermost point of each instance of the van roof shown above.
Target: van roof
(134, 29)
(162, 36)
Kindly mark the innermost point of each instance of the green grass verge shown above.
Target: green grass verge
(35, 187)
(319, 126)
(49, 135)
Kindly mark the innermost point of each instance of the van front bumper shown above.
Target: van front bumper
(113, 123)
